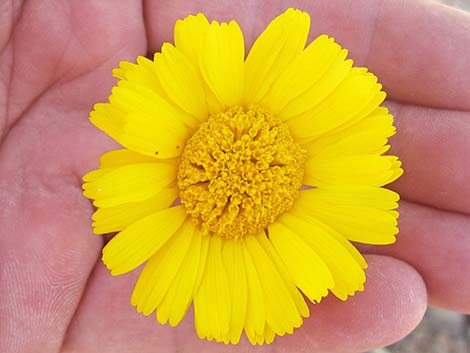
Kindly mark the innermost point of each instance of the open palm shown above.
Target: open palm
(55, 63)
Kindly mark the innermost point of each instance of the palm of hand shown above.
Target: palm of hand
(56, 62)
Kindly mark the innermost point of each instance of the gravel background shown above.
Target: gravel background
(461, 4)
(440, 331)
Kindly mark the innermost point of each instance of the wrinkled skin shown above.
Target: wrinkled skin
(55, 62)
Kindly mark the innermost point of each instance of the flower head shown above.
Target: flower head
(243, 181)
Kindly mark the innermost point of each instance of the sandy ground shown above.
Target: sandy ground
(440, 332)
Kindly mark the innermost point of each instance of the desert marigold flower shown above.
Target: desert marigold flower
(243, 181)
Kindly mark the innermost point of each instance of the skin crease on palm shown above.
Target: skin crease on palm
(55, 63)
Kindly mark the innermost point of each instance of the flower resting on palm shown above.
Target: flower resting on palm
(242, 181)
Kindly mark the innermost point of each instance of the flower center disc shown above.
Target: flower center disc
(239, 171)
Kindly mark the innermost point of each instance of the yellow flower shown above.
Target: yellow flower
(243, 181)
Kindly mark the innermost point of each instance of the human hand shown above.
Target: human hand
(56, 61)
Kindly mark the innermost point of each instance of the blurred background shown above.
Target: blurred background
(440, 331)
(461, 4)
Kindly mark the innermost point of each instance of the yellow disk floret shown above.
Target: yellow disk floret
(239, 171)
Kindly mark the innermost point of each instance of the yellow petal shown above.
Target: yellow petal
(95, 174)
(185, 283)
(212, 304)
(347, 273)
(358, 195)
(117, 218)
(123, 69)
(181, 82)
(275, 48)
(268, 335)
(299, 300)
(369, 136)
(313, 66)
(310, 273)
(139, 104)
(143, 74)
(110, 160)
(235, 267)
(130, 183)
(189, 35)
(189, 39)
(352, 100)
(119, 158)
(177, 299)
(147, 138)
(354, 216)
(138, 242)
(133, 98)
(281, 311)
(222, 62)
(153, 126)
(110, 120)
(320, 90)
(141, 131)
(256, 307)
(342, 240)
(202, 264)
(367, 170)
(159, 272)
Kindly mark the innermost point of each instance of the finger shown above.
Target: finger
(46, 247)
(393, 303)
(437, 244)
(51, 44)
(9, 12)
(74, 73)
(418, 49)
(46, 254)
(106, 322)
(433, 145)
(391, 306)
